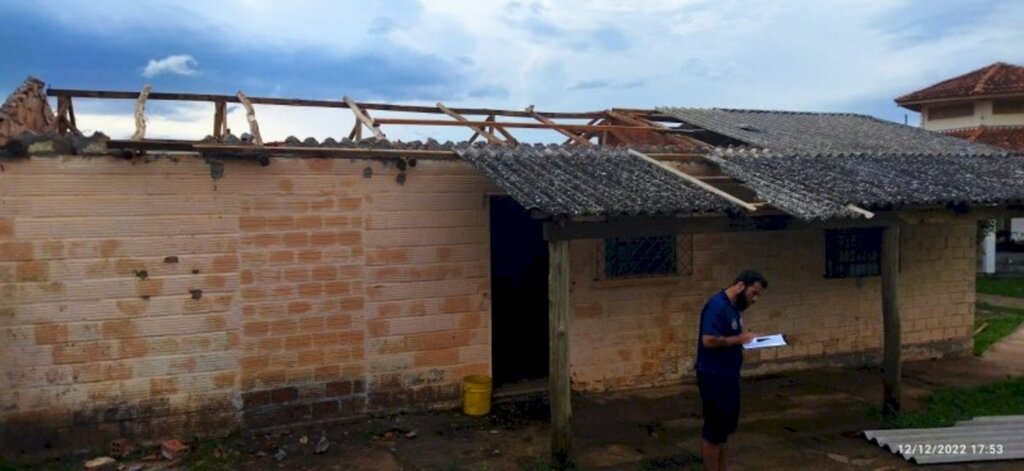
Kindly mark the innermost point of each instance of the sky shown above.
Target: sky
(566, 55)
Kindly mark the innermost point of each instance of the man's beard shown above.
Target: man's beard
(741, 301)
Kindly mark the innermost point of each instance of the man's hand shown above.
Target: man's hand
(746, 337)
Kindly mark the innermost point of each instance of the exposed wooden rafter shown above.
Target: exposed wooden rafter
(544, 119)
(66, 116)
(220, 120)
(668, 133)
(601, 124)
(56, 92)
(696, 181)
(364, 119)
(140, 114)
(480, 127)
(250, 114)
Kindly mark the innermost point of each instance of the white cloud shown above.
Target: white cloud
(796, 54)
(179, 64)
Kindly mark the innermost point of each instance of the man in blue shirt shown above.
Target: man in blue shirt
(719, 358)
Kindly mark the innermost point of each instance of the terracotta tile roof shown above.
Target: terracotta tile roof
(996, 79)
(1009, 137)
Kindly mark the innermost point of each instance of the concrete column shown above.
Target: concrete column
(988, 254)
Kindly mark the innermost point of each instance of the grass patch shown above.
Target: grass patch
(1002, 321)
(1011, 287)
(945, 407)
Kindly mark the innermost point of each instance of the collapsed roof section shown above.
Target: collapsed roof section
(791, 131)
(590, 181)
(813, 166)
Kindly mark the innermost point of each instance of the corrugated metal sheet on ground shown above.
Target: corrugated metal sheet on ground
(993, 438)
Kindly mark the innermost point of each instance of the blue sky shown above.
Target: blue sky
(565, 55)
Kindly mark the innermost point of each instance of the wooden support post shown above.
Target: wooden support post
(558, 374)
(491, 138)
(585, 134)
(477, 134)
(504, 133)
(71, 117)
(63, 103)
(250, 114)
(140, 114)
(357, 131)
(364, 118)
(219, 119)
(892, 365)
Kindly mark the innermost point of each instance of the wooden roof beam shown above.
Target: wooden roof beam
(362, 117)
(480, 127)
(696, 181)
(577, 127)
(544, 119)
(140, 114)
(655, 127)
(250, 114)
(583, 135)
(501, 130)
(100, 94)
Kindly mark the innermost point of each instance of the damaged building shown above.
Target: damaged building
(151, 287)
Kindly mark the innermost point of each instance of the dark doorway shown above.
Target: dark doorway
(519, 302)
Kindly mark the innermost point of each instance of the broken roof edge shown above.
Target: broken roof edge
(772, 129)
(723, 153)
(99, 144)
(592, 182)
(766, 173)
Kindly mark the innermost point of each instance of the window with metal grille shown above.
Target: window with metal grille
(853, 252)
(634, 257)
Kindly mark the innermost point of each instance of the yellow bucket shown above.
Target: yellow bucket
(476, 395)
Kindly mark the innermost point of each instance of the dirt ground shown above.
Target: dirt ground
(795, 421)
(806, 420)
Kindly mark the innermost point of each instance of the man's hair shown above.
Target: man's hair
(749, 277)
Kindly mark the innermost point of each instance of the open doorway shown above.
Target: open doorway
(519, 302)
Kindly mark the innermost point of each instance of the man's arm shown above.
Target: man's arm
(711, 329)
(712, 341)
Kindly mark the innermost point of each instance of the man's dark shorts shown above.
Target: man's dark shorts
(720, 398)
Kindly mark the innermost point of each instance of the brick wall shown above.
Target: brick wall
(119, 305)
(142, 298)
(145, 298)
(644, 332)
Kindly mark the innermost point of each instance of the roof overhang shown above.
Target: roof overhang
(916, 105)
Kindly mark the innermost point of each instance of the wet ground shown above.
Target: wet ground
(806, 420)
(796, 421)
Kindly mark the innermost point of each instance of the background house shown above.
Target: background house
(986, 106)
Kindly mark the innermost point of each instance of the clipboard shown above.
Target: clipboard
(766, 341)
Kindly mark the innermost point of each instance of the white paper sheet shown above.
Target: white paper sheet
(765, 341)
